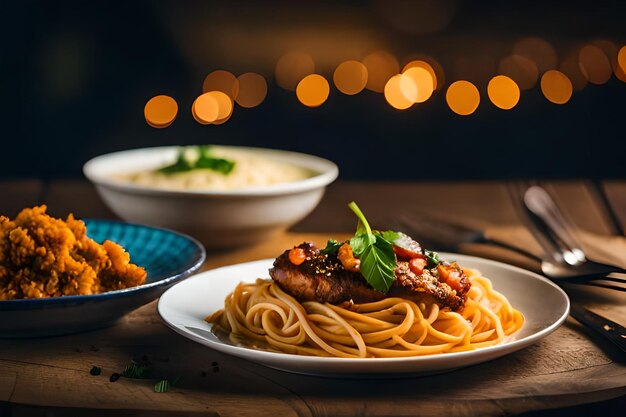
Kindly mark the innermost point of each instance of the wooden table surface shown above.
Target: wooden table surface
(571, 370)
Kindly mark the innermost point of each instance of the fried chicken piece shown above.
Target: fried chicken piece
(41, 256)
(121, 274)
(323, 278)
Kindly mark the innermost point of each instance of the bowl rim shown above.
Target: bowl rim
(95, 169)
(195, 264)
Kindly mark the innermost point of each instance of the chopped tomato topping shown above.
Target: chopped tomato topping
(297, 256)
(450, 276)
(406, 248)
(403, 253)
(417, 265)
(347, 259)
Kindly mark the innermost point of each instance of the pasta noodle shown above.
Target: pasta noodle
(263, 314)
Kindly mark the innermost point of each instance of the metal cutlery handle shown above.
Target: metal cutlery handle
(612, 331)
(539, 203)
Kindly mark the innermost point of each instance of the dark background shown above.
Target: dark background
(75, 76)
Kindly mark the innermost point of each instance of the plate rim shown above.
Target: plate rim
(267, 356)
(33, 303)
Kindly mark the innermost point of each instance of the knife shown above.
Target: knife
(612, 331)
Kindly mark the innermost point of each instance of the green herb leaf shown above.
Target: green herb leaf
(204, 161)
(360, 242)
(135, 370)
(378, 264)
(181, 164)
(216, 164)
(390, 236)
(163, 385)
(432, 258)
(362, 226)
(332, 246)
(378, 260)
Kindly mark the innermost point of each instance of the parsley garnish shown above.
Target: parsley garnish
(204, 161)
(164, 385)
(332, 246)
(432, 258)
(135, 370)
(375, 251)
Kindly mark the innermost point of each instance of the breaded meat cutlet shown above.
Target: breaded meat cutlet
(323, 278)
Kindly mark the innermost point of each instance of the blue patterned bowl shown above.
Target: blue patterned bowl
(167, 256)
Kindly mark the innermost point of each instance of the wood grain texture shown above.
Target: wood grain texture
(571, 366)
(55, 372)
(615, 194)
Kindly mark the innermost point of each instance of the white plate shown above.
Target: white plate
(544, 305)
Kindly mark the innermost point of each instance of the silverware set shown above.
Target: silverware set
(564, 261)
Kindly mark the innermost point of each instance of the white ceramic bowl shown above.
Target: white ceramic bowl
(219, 219)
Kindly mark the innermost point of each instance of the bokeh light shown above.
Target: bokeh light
(313, 90)
(160, 111)
(620, 68)
(556, 87)
(224, 104)
(205, 109)
(420, 63)
(537, 50)
(293, 67)
(418, 60)
(381, 66)
(621, 58)
(350, 77)
(220, 80)
(609, 49)
(571, 68)
(520, 69)
(213, 107)
(400, 92)
(223, 120)
(503, 92)
(252, 90)
(463, 97)
(620, 74)
(423, 81)
(595, 64)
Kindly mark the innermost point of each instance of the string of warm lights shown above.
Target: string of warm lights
(532, 59)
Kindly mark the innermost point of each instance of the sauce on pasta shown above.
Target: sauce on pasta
(376, 295)
(261, 315)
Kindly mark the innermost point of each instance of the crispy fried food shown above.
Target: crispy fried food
(41, 256)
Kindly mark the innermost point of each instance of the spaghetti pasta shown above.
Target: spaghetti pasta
(262, 312)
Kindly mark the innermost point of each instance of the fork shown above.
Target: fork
(567, 252)
(449, 236)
